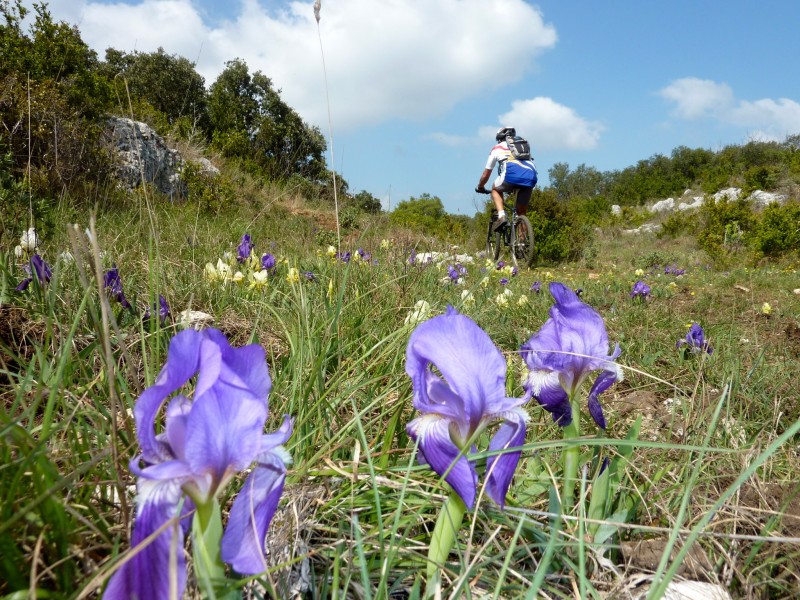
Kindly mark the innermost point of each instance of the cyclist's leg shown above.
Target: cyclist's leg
(523, 200)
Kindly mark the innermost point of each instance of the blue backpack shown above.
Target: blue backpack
(520, 168)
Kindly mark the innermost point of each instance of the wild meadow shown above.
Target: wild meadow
(694, 477)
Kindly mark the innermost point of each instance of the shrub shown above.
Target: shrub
(679, 223)
(760, 178)
(778, 230)
(211, 192)
(725, 226)
(558, 230)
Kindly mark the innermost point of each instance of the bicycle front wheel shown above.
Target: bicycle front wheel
(523, 241)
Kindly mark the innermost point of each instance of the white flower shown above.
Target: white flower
(467, 298)
(419, 313)
(18, 251)
(194, 319)
(29, 240)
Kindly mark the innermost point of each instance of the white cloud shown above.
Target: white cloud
(695, 98)
(412, 59)
(766, 119)
(546, 124)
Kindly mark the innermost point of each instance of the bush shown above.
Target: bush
(725, 226)
(760, 178)
(679, 223)
(558, 230)
(778, 230)
(211, 192)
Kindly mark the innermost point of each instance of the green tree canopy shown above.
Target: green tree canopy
(169, 83)
(250, 120)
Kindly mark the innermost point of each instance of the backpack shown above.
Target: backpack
(519, 147)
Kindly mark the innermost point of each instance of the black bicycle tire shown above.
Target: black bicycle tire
(523, 250)
(493, 241)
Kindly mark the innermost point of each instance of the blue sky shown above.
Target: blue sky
(417, 87)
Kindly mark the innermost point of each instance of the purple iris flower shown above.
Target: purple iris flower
(514, 271)
(310, 276)
(36, 267)
(504, 281)
(536, 287)
(570, 345)
(206, 440)
(344, 256)
(456, 407)
(163, 310)
(245, 248)
(462, 270)
(412, 258)
(640, 290)
(452, 273)
(113, 285)
(500, 265)
(268, 262)
(364, 255)
(696, 340)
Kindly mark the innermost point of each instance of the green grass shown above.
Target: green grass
(714, 464)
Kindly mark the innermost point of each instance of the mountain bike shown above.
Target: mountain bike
(516, 234)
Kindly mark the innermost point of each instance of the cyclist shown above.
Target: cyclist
(512, 174)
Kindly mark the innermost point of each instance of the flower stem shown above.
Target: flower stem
(206, 549)
(571, 456)
(444, 534)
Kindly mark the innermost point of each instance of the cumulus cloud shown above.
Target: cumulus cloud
(766, 118)
(547, 124)
(412, 59)
(695, 98)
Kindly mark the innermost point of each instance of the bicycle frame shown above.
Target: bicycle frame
(516, 234)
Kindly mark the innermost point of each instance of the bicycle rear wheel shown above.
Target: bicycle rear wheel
(494, 240)
(523, 241)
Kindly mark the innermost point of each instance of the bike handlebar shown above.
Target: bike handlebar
(483, 190)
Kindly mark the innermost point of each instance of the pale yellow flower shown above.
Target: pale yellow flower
(639, 272)
(259, 279)
(331, 251)
(522, 300)
(766, 308)
(238, 277)
(485, 281)
(293, 276)
(330, 290)
(467, 298)
(501, 300)
(385, 244)
(419, 313)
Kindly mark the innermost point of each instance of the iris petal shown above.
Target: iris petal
(473, 367)
(501, 467)
(443, 456)
(181, 365)
(147, 573)
(251, 514)
(224, 433)
(546, 388)
(601, 384)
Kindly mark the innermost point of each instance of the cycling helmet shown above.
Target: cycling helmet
(503, 132)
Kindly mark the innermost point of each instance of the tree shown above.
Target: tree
(250, 120)
(169, 83)
(425, 214)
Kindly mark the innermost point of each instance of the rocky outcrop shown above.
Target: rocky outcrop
(143, 155)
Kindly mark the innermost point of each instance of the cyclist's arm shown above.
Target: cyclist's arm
(484, 178)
